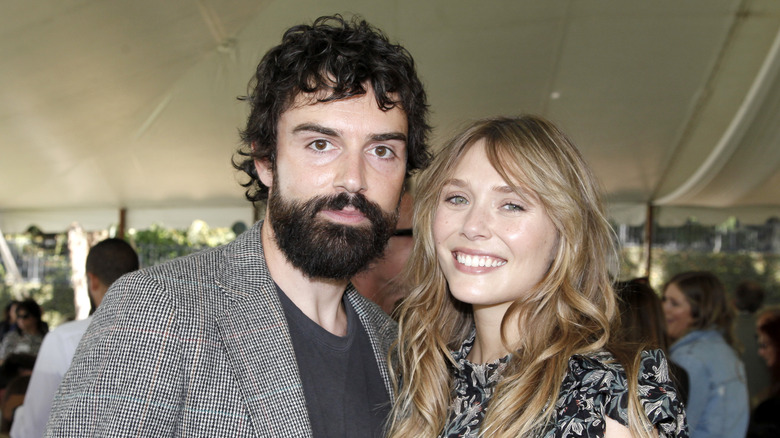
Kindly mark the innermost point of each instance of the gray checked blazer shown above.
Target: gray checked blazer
(195, 347)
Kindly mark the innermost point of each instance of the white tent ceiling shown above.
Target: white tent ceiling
(132, 104)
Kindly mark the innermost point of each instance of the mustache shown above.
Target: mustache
(341, 200)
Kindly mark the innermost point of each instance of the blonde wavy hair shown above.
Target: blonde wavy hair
(571, 311)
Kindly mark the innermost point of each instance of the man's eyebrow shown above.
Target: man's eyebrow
(313, 127)
(389, 136)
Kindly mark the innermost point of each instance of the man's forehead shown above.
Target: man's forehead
(323, 96)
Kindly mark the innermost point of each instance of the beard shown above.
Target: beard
(324, 249)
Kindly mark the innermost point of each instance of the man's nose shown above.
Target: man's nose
(351, 175)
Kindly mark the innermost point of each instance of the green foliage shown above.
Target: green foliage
(158, 244)
(53, 293)
(731, 268)
(631, 262)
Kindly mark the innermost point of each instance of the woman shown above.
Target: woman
(27, 337)
(699, 321)
(643, 323)
(765, 422)
(507, 332)
(9, 322)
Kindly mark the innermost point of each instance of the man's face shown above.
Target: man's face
(335, 187)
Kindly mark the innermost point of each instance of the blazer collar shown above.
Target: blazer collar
(257, 340)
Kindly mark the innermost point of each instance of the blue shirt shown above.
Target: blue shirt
(718, 400)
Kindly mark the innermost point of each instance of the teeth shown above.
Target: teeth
(479, 261)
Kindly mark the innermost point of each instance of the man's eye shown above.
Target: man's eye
(320, 145)
(383, 152)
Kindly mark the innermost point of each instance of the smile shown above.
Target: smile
(479, 261)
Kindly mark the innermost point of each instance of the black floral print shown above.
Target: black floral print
(594, 386)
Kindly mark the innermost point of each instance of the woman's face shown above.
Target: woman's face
(25, 321)
(766, 349)
(493, 245)
(677, 311)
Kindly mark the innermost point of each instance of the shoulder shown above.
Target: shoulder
(371, 315)
(599, 382)
(203, 275)
(72, 330)
(703, 351)
(12, 336)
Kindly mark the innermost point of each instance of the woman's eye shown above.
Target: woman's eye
(513, 207)
(456, 199)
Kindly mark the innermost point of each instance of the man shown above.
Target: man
(748, 298)
(265, 337)
(106, 262)
(380, 283)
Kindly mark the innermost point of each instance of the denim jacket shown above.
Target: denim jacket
(718, 401)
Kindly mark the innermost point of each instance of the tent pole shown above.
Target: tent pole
(649, 238)
(12, 274)
(120, 230)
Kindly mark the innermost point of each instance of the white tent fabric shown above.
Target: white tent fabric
(112, 104)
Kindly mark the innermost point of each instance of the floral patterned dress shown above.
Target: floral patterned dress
(593, 387)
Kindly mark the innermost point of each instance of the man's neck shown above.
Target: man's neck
(317, 298)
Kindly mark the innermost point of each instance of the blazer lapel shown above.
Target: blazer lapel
(381, 330)
(257, 340)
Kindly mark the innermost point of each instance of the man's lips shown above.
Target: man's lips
(347, 215)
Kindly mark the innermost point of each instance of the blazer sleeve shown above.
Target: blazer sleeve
(125, 379)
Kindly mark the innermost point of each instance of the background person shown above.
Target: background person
(507, 331)
(30, 329)
(643, 323)
(9, 319)
(699, 320)
(748, 298)
(14, 377)
(765, 421)
(106, 262)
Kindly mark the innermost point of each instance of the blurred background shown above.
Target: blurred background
(121, 118)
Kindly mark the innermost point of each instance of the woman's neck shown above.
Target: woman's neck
(488, 346)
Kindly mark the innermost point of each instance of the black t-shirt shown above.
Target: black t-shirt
(345, 394)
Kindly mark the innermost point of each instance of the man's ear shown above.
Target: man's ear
(264, 168)
(92, 281)
(97, 290)
(265, 171)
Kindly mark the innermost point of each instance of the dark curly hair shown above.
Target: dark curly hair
(334, 58)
